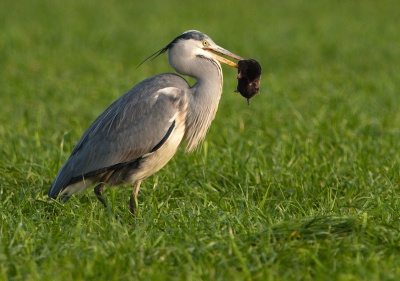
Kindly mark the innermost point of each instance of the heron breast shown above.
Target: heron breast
(156, 160)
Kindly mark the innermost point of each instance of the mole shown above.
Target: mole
(249, 74)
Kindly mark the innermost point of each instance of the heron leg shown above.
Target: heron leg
(133, 199)
(100, 187)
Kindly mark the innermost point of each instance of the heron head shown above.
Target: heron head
(193, 43)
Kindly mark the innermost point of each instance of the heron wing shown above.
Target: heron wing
(136, 124)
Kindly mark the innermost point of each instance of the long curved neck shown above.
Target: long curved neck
(203, 100)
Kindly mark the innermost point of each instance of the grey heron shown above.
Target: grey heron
(141, 131)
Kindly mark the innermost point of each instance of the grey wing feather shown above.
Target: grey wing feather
(128, 129)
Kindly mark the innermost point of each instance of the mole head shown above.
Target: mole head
(250, 69)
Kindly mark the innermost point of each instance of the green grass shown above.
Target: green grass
(301, 185)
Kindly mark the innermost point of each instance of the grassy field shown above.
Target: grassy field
(301, 185)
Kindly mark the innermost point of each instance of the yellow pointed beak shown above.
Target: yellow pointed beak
(220, 50)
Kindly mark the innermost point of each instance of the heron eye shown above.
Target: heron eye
(205, 43)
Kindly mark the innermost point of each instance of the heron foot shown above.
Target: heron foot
(100, 187)
(132, 205)
(133, 199)
(98, 190)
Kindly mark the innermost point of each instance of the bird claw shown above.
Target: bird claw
(132, 205)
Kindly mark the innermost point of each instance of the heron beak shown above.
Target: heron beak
(220, 50)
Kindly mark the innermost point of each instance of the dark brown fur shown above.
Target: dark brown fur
(249, 75)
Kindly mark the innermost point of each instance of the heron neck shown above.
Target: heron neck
(203, 102)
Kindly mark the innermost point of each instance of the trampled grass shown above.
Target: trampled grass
(301, 185)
